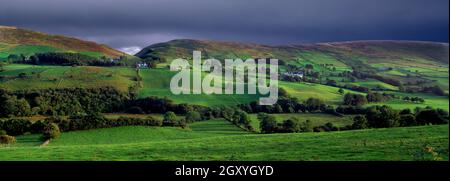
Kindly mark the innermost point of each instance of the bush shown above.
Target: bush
(2, 132)
(268, 123)
(6, 139)
(51, 131)
(170, 119)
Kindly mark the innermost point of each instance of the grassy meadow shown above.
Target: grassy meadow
(219, 140)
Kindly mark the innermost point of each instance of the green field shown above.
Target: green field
(219, 140)
(156, 82)
(42, 77)
(317, 119)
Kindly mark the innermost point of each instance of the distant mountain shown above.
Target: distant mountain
(388, 50)
(15, 40)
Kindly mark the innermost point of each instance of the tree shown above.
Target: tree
(360, 122)
(313, 104)
(341, 91)
(375, 97)
(170, 119)
(354, 99)
(193, 116)
(291, 125)
(51, 131)
(407, 120)
(428, 116)
(268, 123)
(382, 117)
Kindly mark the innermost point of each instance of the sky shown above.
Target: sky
(130, 25)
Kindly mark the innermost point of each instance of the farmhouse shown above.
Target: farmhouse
(294, 74)
(141, 65)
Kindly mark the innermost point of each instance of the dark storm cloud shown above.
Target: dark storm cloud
(139, 23)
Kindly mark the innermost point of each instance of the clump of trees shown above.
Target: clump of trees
(70, 59)
(62, 102)
(354, 99)
(359, 99)
(387, 117)
(286, 105)
(414, 99)
(237, 117)
(48, 126)
(269, 124)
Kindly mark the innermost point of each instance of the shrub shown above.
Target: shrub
(51, 131)
(6, 139)
(170, 119)
(2, 132)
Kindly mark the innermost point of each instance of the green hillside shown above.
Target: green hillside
(219, 140)
(408, 62)
(18, 41)
(43, 77)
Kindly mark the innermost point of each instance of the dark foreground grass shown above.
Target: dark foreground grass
(140, 143)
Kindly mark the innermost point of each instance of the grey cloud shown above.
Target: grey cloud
(139, 23)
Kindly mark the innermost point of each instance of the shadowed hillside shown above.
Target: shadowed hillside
(21, 41)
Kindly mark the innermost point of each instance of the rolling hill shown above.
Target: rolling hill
(15, 40)
(407, 62)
